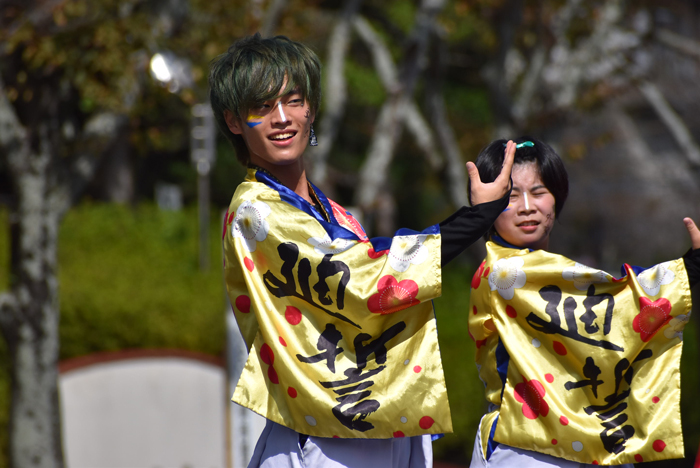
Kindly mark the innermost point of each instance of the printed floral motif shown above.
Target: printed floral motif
(250, 223)
(653, 278)
(325, 245)
(347, 220)
(652, 316)
(481, 272)
(393, 295)
(531, 395)
(584, 276)
(406, 251)
(507, 276)
(676, 325)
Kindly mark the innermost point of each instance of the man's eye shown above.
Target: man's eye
(296, 102)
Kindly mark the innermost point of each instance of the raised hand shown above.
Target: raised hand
(693, 231)
(486, 192)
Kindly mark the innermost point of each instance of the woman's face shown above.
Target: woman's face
(529, 218)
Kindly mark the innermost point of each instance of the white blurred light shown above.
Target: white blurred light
(159, 68)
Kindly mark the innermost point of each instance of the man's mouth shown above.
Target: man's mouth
(529, 223)
(282, 136)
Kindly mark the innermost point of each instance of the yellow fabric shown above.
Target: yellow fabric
(302, 337)
(590, 379)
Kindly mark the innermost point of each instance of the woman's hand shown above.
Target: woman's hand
(693, 231)
(482, 193)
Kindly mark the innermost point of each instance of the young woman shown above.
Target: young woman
(579, 368)
(343, 355)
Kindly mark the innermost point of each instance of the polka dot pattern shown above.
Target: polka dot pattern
(659, 445)
(426, 422)
(510, 311)
(282, 342)
(555, 441)
(292, 392)
(564, 420)
(656, 399)
(310, 420)
(249, 264)
(242, 304)
(399, 434)
(293, 315)
(559, 348)
(577, 446)
(549, 378)
(417, 369)
(536, 343)
(638, 458)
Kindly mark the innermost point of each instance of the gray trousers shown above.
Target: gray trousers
(279, 447)
(506, 456)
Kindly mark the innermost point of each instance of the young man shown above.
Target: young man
(343, 353)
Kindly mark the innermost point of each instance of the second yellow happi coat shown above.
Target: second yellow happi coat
(578, 364)
(340, 330)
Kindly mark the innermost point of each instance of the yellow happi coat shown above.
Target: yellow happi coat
(340, 329)
(578, 364)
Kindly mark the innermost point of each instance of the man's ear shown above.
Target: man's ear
(232, 122)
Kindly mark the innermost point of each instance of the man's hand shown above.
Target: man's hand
(693, 231)
(482, 193)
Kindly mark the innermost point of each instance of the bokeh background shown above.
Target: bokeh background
(102, 243)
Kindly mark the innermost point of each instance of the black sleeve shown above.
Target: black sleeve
(467, 225)
(692, 266)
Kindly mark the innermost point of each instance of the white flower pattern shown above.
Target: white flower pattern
(250, 223)
(325, 245)
(507, 276)
(406, 251)
(676, 325)
(583, 276)
(653, 278)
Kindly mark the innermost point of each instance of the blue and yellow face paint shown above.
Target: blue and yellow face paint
(253, 120)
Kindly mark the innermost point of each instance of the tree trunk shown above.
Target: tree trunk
(31, 314)
(45, 183)
(373, 174)
(335, 95)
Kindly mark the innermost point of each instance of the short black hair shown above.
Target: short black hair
(549, 165)
(252, 71)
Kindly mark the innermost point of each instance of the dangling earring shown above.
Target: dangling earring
(312, 137)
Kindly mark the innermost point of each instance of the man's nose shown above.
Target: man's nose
(278, 115)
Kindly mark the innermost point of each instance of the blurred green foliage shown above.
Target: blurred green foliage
(364, 86)
(130, 279)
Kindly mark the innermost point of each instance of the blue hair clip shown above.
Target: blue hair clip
(524, 143)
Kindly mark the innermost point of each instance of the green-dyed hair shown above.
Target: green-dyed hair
(252, 71)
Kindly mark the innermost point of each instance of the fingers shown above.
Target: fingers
(473, 173)
(693, 232)
(508, 160)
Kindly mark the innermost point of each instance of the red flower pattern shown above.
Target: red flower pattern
(347, 220)
(481, 272)
(531, 395)
(652, 316)
(393, 295)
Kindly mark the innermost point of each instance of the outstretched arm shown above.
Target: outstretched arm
(486, 192)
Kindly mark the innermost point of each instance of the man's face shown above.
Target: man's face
(276, 131)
